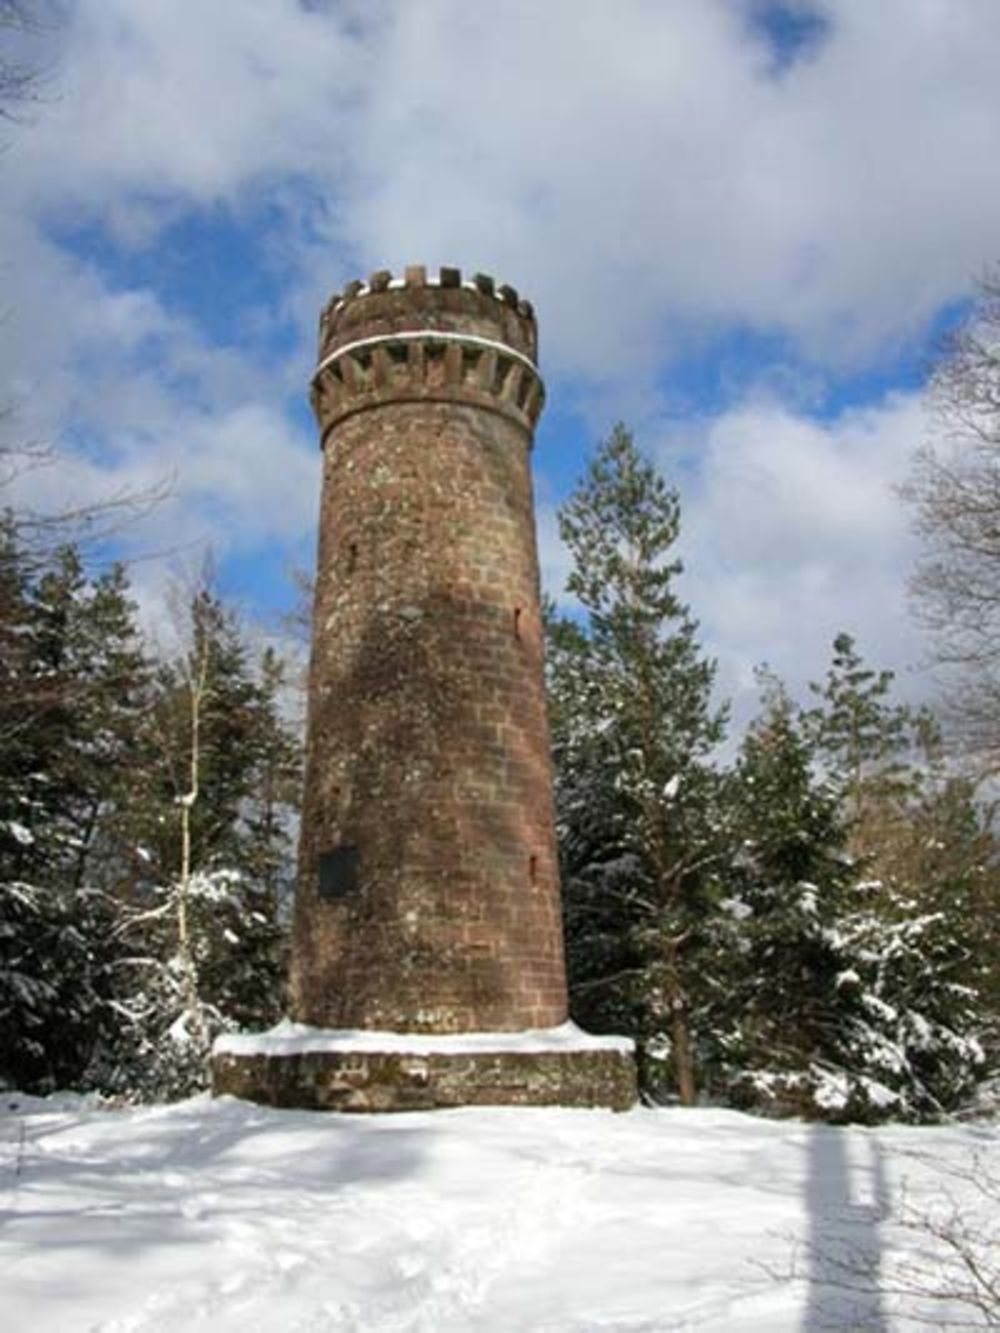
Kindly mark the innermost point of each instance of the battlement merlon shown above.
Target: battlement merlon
(412, 339)
(418, 300)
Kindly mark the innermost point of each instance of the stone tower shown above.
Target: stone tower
(428, 893)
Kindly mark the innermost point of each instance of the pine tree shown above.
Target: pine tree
(865, 740)
(633, 725)
(851, 987)
(953, 853)
(786, 889)
(70, 668)
(915, 822)
(143, 833)
(277, 777)
(212, 824)
(24, 691)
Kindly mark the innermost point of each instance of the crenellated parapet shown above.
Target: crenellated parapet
(427, 338)
(443, 300)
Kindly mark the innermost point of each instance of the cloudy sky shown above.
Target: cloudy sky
(744, 226)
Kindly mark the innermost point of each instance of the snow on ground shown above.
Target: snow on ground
(218, 1215)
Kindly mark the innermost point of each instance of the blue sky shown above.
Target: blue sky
(744, 227)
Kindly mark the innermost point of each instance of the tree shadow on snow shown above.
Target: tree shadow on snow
(847, 1201)
(123, 1182)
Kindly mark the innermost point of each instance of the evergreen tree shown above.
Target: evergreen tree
(130, 909)
(70, 669)
(633, 727)
(953, 853)
(787, 886)
(913, 1031)
(866, 741)
(23, 693)
(277, 764)
(916, 824)
(849, 995)
(212, 824)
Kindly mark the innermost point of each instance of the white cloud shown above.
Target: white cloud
(795, 532)
(188, 103)
(792, 531)
(638, 169)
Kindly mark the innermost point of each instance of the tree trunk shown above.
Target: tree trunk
(680, 1032)
(683, 1055)
(185, 946)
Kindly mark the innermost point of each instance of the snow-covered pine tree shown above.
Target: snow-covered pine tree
(70, 677)
(633, 727)
(211, 824)
(775, 1018)
(852, 975)
(910, 819)
(952, 854)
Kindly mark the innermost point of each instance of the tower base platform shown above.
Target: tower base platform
(321, 1070)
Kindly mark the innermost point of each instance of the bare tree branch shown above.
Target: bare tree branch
(954, 493)
(21, 78)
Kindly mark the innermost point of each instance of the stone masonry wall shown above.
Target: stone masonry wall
(428, 896)
(387, 1081)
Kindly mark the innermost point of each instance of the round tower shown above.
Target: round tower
(428, 893)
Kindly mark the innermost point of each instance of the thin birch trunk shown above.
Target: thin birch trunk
(197, 678)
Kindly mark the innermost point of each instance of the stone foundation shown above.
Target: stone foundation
(329, 1071)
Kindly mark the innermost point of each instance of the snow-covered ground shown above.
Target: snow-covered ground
(224, 1216)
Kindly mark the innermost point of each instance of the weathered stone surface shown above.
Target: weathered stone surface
(428, 750)
(371, 1081)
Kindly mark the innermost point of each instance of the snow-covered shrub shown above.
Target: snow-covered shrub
(169, 1017)
(912, 1026)
(878, 1030)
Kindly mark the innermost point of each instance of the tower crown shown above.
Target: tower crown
(417, 299)
(421, 337)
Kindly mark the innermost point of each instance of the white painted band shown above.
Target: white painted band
(428, 335)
